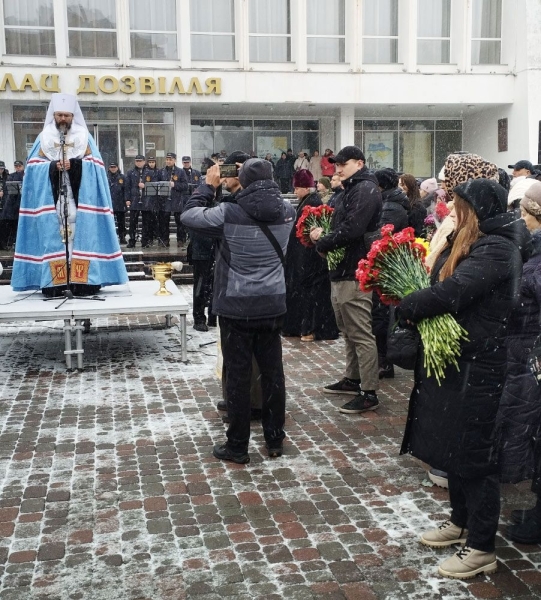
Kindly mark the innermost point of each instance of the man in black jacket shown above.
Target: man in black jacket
(357, 212)
(179, 187)
(116, 187)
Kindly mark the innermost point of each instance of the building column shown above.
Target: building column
(7, 135)
(183, 130)
(327, 134)
(346, 127)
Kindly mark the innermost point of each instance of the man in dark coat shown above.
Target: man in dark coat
(151, 199)
(134, 190)
(356, 213)
(452, 426)
(179, 187)
(283, 172)
(116, 187)
(4, 227)
(9, 216)
(249, 296)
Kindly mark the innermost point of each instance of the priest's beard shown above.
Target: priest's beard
(63, 126)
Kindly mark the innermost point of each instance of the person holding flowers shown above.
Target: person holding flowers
(308, 289)
(451, 421)
(357, 212)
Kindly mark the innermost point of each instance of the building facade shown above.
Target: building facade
(407, 80)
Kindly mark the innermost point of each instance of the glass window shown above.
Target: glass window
(326, 31)
(272, 142)
(434, 32)
(380, 31)
(92, 28)
(446, 143)
(130, 114)
(213, 29)
(380, 149)
(158, 115)
(153, 32)
(29, 27)
(99, 113)
(416, 153)
(270, 31)
(486, 32)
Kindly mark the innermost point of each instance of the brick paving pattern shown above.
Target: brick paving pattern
(109, 489)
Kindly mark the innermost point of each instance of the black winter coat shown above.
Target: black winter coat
(116, 187)
(175, 202)
(308, 289)
(357, 211)
(452, 427)
(283, 169)
(519, 416)
(11, 202)
(416, 218)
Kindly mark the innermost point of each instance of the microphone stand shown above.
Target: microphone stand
(63, 195)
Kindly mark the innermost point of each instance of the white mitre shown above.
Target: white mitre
(76, 137)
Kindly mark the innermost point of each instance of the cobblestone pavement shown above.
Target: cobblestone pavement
(109, 489)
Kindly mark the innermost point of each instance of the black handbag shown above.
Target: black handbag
(403, 346)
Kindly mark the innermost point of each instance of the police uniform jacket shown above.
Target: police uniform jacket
(133, 193)
(194, 180)
(116, 187)
(150, 200)
(12, 202)
(179, 189)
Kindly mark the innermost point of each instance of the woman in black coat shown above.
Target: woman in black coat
(417, 211)
(520, 408)
(308, 287)
(452, 426)
(395, 205)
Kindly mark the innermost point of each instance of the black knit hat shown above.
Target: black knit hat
(254, 169)
(236, 157)
(387, 178)
(487, 197)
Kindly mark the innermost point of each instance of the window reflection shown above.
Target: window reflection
(29, 27)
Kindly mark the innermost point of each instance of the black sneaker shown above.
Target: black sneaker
(222, 405)
(386, 372)
(344, 386)
(131, 244)
(200, 327)
(274, 449)
(361, 403)
(223, 452)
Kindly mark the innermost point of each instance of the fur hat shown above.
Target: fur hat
(458, 168)
(519, 188)
(532, 199)
(303, 179)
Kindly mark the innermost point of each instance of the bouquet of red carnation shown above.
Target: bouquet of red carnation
(441, 210)
(318, 216)
(395, 267)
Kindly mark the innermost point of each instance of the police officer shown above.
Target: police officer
(3, 197)
(151, 200)
(11, 205)
(179, 188)
(192, 175)
(116, 186)
(134, 191)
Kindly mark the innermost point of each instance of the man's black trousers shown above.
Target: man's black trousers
(242, 339)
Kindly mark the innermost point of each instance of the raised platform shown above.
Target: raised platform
(132, 298)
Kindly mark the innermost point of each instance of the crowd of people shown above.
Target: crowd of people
(478, 425)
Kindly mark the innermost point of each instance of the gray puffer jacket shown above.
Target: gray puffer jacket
(249, 277)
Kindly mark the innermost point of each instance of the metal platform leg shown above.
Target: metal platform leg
(67, 342)
(184, 351)
(168, 319)
(80, 326)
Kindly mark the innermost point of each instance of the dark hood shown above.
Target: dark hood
(361, 175)
(487, 197)
(510, 227)
(262, 200)
(396, 195)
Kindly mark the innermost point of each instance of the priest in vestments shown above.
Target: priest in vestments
(65, 177)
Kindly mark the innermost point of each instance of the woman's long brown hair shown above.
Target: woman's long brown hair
(413, 194)
(466, 234)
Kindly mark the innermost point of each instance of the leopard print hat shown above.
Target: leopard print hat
(458, 168)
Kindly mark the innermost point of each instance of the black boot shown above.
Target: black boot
(527, 531)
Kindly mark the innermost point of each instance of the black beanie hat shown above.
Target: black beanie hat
(387, 178)
(487, 197)
(254, 169)
(236, 157)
